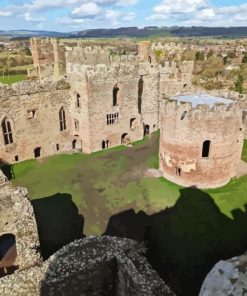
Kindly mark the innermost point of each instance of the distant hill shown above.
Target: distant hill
(29, 33)
(147, 32)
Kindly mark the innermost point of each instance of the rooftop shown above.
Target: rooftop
(202, 99)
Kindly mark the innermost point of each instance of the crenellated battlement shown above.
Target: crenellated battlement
(102, 71)
(200, 104)
(95, 54)
(31, 87)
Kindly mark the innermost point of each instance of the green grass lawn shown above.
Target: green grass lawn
(12, 78)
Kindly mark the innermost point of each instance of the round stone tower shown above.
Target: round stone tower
(201, 140)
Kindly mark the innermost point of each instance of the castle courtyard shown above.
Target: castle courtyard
(109, 182)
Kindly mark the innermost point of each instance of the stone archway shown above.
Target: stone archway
(146, 130)
(37, 152)
(123, 138)
(8, 254)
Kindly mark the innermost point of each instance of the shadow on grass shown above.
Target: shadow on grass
(185, 241)
(58, 222)
(7, 169)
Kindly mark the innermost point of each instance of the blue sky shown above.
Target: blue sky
(73, 15)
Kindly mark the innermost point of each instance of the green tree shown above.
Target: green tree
(244, 60)
(225, 60)
(239, 84)
(210, 54)
(199, 56)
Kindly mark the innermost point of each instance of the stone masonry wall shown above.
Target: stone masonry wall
(92, 266)
(41, 128)
(17, 218)
(48, 57)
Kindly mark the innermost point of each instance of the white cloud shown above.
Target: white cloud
(5, 13)
(129, 16)
(205, 14)
(126, 2)
(30, 18)
(86, 10)
(198, 12)
(113, 16)
(179, 6)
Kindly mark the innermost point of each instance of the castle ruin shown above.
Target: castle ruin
(83, 87)
(62, 114)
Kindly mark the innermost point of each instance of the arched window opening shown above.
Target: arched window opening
(8, 254)
(146, 130)
(124, 138)
(105, 144)
(150, 59)
(7, 131)
(62, 119)
(78, 100)
(183, 115)
(140, 92)
(74, 144)
(132, 123)
(37, 152)
(115, 94)
(206, 148)
(178, 171)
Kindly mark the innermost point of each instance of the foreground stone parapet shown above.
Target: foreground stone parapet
(18, 229)
(201, 140)
(227, 278)
(93, 266)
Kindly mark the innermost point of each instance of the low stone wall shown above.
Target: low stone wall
(93, 266)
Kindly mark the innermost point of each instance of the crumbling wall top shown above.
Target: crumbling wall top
(31, 87)
(105, 259)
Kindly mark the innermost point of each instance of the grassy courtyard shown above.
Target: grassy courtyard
(12, 78)
(111, 181)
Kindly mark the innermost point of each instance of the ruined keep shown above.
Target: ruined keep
(48, 57)
(61, 112)
(201, 140)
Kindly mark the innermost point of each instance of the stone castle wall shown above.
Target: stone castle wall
(32, 109)
(97, 83)
(48, 57)
(176, 78)
(92, 266)
(88, 100)
(17, 218)
(184, 129)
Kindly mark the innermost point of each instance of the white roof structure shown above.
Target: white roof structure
(202, 99)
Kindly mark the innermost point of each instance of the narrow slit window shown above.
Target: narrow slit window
(62, 119)
(78, 100)
(206, 148)
(115, 94)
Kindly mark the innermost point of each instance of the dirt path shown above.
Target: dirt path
(97, 214)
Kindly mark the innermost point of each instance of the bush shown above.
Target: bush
(244, 60)
(239, 84)
(200, 56)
